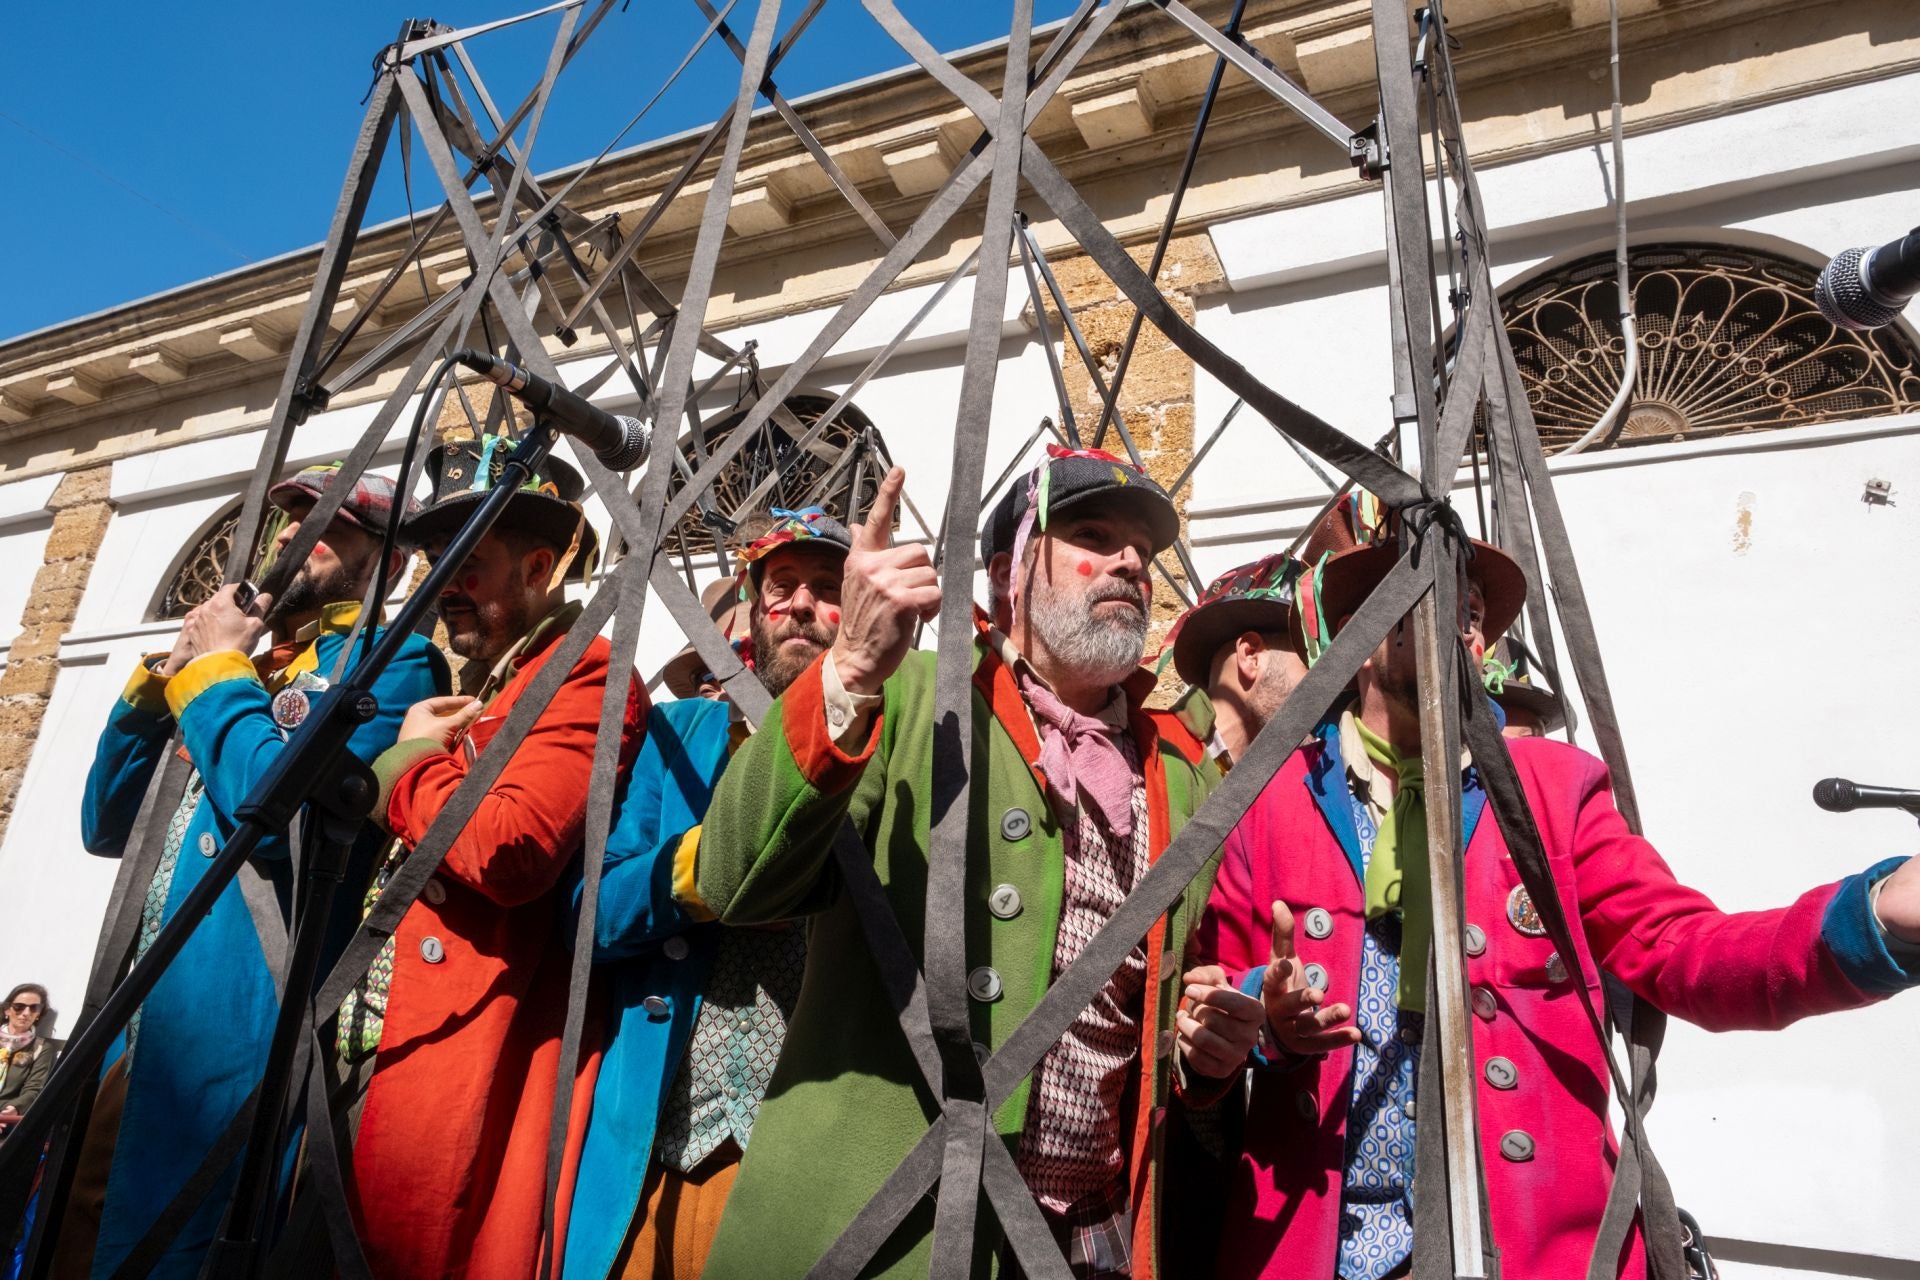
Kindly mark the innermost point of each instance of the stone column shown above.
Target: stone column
(80, 514)
(1156, 399)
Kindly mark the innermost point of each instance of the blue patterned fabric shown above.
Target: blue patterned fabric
(1376, 1209)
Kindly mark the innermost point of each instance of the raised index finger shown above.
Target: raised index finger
(876, 534)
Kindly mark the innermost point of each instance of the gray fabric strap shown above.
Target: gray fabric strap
(1392, 485)
(949, 1005)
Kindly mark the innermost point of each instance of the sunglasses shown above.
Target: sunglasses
(20, 1006)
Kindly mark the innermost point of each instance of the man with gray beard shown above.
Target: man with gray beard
(1076, 786)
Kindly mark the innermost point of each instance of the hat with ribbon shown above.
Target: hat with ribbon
(463, 472)
(1356, 546)
(1068, 480)
(1508, 682)
(790, 528)
(721, 598)
(1253, 597)
(368, 505)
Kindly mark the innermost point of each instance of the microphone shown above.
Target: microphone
(618, 441)
(1838, 795)
(1868, 288)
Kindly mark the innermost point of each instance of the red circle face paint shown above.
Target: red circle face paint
(471, 582)
(1085, 569)
(321, 548)
(832, 616)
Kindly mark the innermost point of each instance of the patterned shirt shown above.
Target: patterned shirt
(1376, 1201)
(1071, 1148)
(153, 909)
(744, 1011)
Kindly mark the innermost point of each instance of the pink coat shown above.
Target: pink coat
(1669, 943)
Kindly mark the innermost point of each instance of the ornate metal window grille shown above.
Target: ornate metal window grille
(1730, 341)
(824, 476)
(203, 570)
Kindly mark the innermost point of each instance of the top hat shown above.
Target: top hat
(1069, 479)
(682, 673)
(1253, 597)
(547, 505)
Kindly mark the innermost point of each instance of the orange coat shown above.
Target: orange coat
(450, 1159)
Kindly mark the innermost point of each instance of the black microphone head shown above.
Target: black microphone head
(633, 447)
(1842, 294)
(1836, 795)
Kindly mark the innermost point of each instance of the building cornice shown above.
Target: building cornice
(1532, 75)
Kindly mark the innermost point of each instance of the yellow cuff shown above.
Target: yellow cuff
(147, 689)
(686, 890)
(204, 672)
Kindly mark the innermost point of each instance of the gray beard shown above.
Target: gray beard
(1101, 649)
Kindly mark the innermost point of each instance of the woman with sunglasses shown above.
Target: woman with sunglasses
(26, 1055)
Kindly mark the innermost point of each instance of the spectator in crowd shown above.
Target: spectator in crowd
(26, 1055)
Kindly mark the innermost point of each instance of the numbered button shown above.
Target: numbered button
(1501, 1073)
(1485, 1003)
(1516, 1145)
(983, 984)
(432, 950)
(1004, 902)
(676, 948)
(1015, 824)
(435, 893)
(1476, 940)
(658, 1006)
(1316, 976)
(1319, 923)
(208, 845)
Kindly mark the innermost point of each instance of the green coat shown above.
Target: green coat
(847, 1101)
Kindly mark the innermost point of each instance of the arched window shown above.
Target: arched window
(826, 474)
(202, 569)
(1730, 341)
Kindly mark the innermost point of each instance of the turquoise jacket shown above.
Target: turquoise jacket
(205, 1026)
(651, 961)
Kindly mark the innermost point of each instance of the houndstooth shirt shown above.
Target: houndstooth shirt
(1071, 1147)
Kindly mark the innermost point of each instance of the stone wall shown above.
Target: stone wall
(80, 514)
(1156, 398)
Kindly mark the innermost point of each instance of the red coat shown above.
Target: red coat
(450, 1159)
(1669, 943)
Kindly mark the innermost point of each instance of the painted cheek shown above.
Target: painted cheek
(1084, 568)
(832, 616)
(321, 548)
(471, 582)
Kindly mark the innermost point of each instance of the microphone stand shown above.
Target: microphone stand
(315, 767)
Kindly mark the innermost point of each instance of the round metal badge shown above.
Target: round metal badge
(290, 707)
(1522, 914)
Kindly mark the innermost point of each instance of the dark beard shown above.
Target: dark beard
(308, 593)
(776, 667)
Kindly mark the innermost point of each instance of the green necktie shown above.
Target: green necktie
(1397, 879)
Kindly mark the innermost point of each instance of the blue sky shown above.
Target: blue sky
(156, 145)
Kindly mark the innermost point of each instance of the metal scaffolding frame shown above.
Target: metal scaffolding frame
(530, 255)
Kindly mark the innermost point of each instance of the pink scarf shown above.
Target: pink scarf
(1081, 759)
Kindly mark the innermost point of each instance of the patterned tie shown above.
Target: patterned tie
(1081, 760)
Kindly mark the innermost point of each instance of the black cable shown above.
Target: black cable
(390, 536)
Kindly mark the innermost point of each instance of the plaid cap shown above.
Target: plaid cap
(1069, 478)
(368, 507)
(810, 524)
(1254, 597)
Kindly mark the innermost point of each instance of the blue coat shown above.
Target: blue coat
(646, 949)
(205, 1026)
